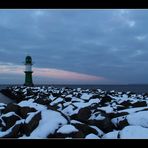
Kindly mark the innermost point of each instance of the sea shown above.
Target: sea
(135, 88)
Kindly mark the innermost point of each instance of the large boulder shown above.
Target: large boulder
(120, 122)
(12, 107)
(31, 122)
(105, 99)
(9, 120)
(85, 128)
(102, 121)
(126, 104)
(43, 101)
(121, 107)
(139, 104)
(116, 114)
(84, 114)
(25, 110)
(14, 132)
(67, 131)
(67, 99)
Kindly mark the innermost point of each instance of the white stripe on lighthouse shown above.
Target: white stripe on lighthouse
(28, 68)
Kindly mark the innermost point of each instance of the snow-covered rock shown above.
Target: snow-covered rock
(111, 135)
(92, 136)
(134, 132)
(65, 129)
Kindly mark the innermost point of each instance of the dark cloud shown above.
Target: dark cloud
(107, 43)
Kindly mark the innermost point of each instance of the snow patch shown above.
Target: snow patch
(67, 129)
(92, 136)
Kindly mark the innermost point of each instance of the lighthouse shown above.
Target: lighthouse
(28, 71)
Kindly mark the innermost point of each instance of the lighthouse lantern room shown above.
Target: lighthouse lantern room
(28, 71)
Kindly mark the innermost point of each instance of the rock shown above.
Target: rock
(12, 107)
(56, 95)
(15, 132)
(76, 134)
(52, 107)
(85, 128)
(2, 123)
(121, 107)
(126, 103)
(10, 121)
(145, 109)
(105, 99)
(42, 101)
(84, 114)
(102, 121)
(95, 97)
(8, 92)
(122, 124)
(115, 115)
(74, 117)
(139, 104)
(68, 99)
(25, 110)
(29, 126)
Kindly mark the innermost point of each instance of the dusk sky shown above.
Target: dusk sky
(106, 46)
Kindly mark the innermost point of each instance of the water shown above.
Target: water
(139, 89)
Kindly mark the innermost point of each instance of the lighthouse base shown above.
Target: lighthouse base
(30, 85)
(28, 79)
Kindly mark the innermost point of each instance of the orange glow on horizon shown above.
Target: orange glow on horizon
(49, 72)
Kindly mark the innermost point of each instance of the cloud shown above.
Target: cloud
(106, 43)
(9, 68)
(141, 37)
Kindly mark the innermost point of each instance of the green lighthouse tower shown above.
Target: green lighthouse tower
(28, 71)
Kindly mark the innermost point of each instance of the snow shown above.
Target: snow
(121, 99)
(98, 117)
(107, 109)
(66, 104)
(82, 105)
(86, 96)
(78, 89)
(75, 121)
(115, 121)
(51, 97)
(2, 104)
(132, 110)
(70, 95)
(134, 132)
(50, 121)
(67, 129)
(68, 110)
(2, 107)
(68, 138)
(30, 116)
(9, 114)
(77, 99)
(139, 118)
(111, 135)
(92, 136)
(56, 101)
(100, 132)
(29, 103)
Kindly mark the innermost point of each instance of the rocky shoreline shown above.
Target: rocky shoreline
(50, 112)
